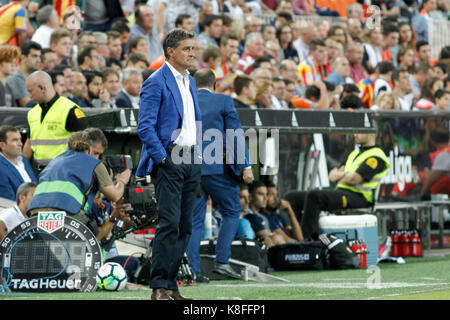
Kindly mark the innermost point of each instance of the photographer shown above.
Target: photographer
(71, 180)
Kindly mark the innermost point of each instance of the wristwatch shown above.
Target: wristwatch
(163, 162)
(113, 219)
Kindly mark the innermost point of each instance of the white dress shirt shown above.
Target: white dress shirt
(42, 36)
(302, 49)
(188, 134)
(12, 217)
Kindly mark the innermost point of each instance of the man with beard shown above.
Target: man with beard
(78, 93)
(94, 82)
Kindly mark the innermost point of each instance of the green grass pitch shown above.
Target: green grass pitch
(419, 279)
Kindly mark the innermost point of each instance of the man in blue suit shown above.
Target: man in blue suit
(222, 166)
(168, 128)
(14, 167)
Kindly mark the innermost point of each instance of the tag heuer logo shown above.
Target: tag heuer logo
(51, 221)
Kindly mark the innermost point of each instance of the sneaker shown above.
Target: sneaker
(199, 278)
(226, 270)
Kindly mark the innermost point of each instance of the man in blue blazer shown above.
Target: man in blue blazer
(14, 167)
(222, 165)
(168, 127)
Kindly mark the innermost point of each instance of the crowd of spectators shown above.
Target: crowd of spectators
(275, 54)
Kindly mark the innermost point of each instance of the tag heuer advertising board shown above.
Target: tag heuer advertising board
(49, 252)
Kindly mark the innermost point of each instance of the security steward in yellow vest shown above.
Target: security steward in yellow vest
(51, 121)
(356, 182)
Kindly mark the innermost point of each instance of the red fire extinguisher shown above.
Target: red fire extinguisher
(415, 244)
(356, 248)
(352, 246)
(395, 248)
(404, 247)
(363, 255)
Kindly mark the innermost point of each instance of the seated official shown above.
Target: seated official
(71, 181)
(356, 182)
(14, 167)
(12, 217)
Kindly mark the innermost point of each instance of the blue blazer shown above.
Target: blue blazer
(160, 115)
(10, 178)
(219, 113)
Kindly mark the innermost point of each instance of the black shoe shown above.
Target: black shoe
(176, 295)
(226, 270)
(160, 294)
(199, 278)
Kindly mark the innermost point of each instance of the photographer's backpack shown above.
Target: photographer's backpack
(299, 256)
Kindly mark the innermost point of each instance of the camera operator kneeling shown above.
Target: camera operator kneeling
(71, 180)
(106, 215)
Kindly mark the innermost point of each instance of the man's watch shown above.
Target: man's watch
(163, 162)
(113, 219)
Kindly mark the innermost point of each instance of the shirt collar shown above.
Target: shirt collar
(129, 95)
(50, 103)
(175, 72)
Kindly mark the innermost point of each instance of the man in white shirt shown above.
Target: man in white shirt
(384, 70)
(304, 33)
(14, 167)
(402, 87)
(167, 127)
(128, 97)
(11, 217)
(48, 20)
(279, 90)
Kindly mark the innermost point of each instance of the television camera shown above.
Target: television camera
(139, 193)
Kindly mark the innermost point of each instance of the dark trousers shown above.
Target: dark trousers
(307, 206)
(175, 189)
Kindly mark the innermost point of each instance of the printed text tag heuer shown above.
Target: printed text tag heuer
(51, 221)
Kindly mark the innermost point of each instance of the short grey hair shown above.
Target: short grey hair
(100, 37)
(251, 37)
(130, 72)
(24, 189)
(43, 15)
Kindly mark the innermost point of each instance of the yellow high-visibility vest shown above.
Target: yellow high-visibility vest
(49, 137)
(354, 161)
